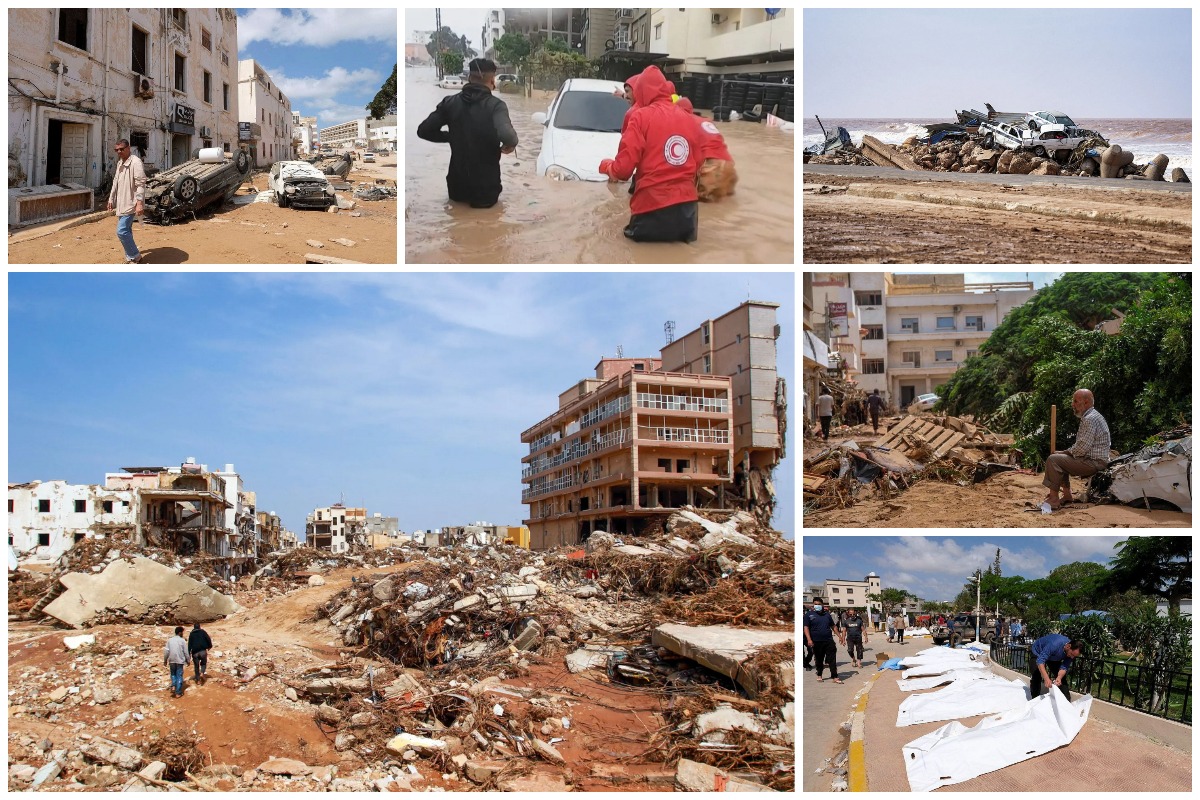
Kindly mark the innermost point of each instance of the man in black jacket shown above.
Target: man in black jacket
(479, 131)
(198, 646)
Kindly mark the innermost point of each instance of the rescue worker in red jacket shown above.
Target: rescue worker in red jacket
(717, 176)
(664, 148)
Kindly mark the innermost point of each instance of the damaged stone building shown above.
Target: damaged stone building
(81, 78)
(336, 528)
(187, 510)
(703, 425)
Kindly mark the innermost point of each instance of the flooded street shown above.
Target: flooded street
(539, 220)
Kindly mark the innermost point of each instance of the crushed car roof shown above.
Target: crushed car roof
(300, 169)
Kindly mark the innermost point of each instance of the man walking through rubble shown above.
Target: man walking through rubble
(825, 410)
(199, 644)
(128, 191)
(176, 657)
(818, 633)
(1086, 457)
(875, 405)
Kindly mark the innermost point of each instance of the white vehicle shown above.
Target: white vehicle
(368, 157)
(451, 82)
(924, 402)
(300, 185)
(583, 127)
(1043, 138)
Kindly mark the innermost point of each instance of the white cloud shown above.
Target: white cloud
(319, 27)
(1086, 548)
(819, 562)
(324, 97)
(948, 557)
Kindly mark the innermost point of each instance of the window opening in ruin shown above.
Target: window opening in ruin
(682, 465)
(206, 40)
(207, 86)
(707, 365)
(108, 506)
(43, 506)
(72, 27)
(79, 536)
(139, 141)
(138, 59)
(180, 73)
(179, 17)
(43, 540)
(80, 506)
(704, 335)
(225, 103)
(10, 505)
(664, 464)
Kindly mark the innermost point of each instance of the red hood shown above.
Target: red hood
(632, 82)
(651, 86)
(685, 104)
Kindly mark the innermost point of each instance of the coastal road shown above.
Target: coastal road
(990, 178)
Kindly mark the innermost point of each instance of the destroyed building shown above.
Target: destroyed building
(45, 518)
(704, 425)
(335, 527)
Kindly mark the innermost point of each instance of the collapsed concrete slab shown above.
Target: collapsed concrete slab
(723, 649)
(138, 590)
(692, 776)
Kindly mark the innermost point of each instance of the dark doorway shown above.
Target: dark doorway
(907, 395)
(54, 152)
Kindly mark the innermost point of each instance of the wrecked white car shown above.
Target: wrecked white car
(1156, 472)
(300, 185)
(1039, 136)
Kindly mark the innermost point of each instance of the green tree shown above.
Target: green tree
(512, 48)
(1160, 566)
(889, 599)
(385, 99)
(452, 63)
(556, 45)
(1078, 584)
(447, 40)
(1162, 645)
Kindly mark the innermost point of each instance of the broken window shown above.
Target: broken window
(704, 334)
(138, 58)
(79, 536)
(43, 506)
(108, 506)
(872, 366)
(10, 505)
(43, 540)
(179, 17)
(72, 27)
(207, 86)
(639, 367)
(206, 40)
(180, 73)
(868, 298)
(225, 103)
(140, 142)
(682, 465)
(80, 506)
(664, 464)
(873, 332)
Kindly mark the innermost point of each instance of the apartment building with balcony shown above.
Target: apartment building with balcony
(837, 318)
(625, 449)
(719, 41)
(264, 115)
(935, 322)
(335, 528)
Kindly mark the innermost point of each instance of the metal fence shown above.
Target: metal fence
(1160, 693)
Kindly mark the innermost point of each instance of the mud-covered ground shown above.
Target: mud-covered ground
(1131, 226)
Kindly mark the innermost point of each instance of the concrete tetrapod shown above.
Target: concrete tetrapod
(1158, 168)
(1179, 176)
(1112, 160)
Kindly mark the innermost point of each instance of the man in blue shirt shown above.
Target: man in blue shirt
(818, 634)
(1052, 654)
(1015, 631)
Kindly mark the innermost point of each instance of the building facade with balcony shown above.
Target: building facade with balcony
(720, 41)
(264, 115)
(345, 135)
(335, 528)
(625, 449)
(935, 322)
(81, 78)
(842, 594)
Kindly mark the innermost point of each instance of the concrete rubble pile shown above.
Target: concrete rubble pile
(919, 446)
(699, 615)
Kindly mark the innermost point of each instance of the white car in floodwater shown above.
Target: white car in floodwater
(583, 127)
(451, 82)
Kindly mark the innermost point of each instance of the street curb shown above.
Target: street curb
(857, 767)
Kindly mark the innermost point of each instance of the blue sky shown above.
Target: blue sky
(936, 567)
(407, 393)
(1090, 63)
(329, 62)
(1039, 279)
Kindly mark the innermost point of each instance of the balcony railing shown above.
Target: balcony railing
(543, 441)
(703, 435)
(609, 409)
(668, 402)
(546, 485)
(577, 449)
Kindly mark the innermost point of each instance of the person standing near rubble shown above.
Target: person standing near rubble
(478, 131)
(1053, 654)
(199, 644)
(825, 410)
(901, 624)
(128, 192)
(175, 656)
(1085, 458)
(856, 636)
(875, 406)
(819, 633)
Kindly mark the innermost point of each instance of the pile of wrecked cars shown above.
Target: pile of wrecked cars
(210, 176)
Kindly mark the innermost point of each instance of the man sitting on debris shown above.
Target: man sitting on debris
(825, 410)
(199, 644)
(818, 633)
(1052, 653)
(875, 405)
(176, 657)
(1088, 456)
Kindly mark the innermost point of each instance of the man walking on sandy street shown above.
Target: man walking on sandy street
(819, 633)
(128, 192)
(176, 657)
(825, 410)
(875, 406)
(199, 644)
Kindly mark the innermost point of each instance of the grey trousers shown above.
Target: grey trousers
(1060, 467)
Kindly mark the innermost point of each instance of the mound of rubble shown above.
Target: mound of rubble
(918, 447)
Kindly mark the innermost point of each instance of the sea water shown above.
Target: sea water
(1145, 138)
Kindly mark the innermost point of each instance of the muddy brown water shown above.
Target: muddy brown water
(543, 221)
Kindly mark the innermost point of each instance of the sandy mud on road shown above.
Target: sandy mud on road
(1133, 227)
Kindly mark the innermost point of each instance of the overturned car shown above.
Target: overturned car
(300, 185)
(332, 165)
(1158, 472)
(209, 177)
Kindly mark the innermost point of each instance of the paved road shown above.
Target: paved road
(827, 705)
(1015, 180)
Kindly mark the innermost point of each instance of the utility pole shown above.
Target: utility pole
(437, 36)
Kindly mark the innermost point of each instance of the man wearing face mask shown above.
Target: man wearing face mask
(818, 633)
(479, 130)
